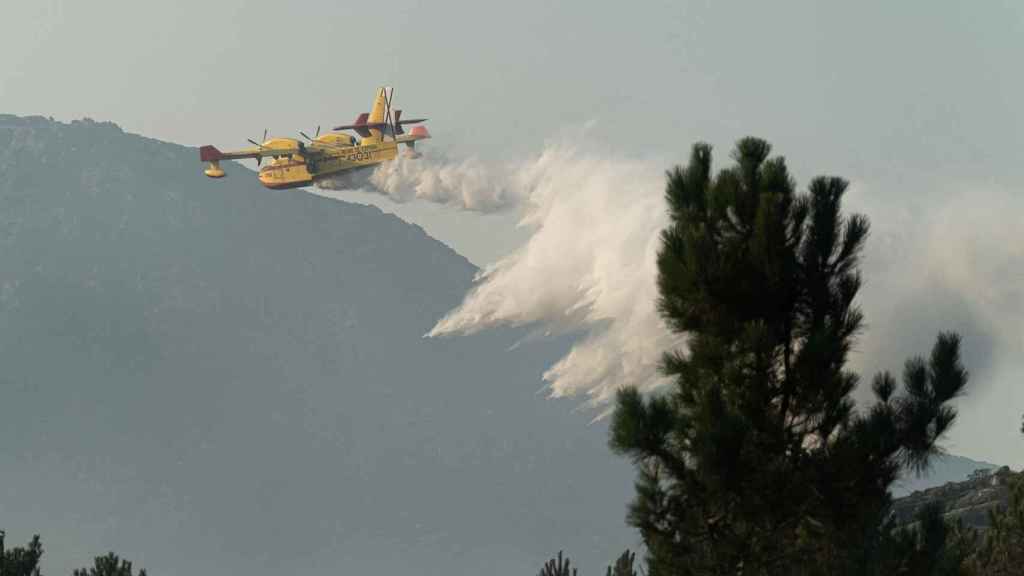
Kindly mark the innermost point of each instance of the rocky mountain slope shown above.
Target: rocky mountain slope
(968, 501)
(945, 468)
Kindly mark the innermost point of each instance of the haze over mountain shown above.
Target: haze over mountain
(209, 376)
(946, 468)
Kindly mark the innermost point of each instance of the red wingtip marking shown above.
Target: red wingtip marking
(209, 154)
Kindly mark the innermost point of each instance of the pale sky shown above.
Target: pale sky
(915, 102)
(902, 95)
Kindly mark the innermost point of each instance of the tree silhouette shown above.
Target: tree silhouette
(623, 565)
(20, 561)
(108, 565)
(933, 546)
(1002, 549)
(557, 567)
(756, 461)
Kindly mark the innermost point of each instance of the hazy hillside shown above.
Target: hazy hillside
(947, 468)
(969, 500)
(212, 377)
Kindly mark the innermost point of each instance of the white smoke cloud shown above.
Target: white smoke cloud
(951, 258)
(950, 261)
(467, 184)
(953, 262)
(589, 264)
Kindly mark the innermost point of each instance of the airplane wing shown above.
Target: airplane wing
(211, 153)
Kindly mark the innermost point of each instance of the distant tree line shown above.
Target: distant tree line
(25, 561)
(757, 461)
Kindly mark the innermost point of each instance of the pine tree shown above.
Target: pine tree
(756, 461)
(623, 565)
(1002, 550)
(108, 565)
(933, 546)
(557, 567)
(19, 561)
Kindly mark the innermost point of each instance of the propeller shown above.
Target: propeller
(388, 94)
(259, 160)
(304, 135)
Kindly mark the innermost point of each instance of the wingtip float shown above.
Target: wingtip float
(294, 163)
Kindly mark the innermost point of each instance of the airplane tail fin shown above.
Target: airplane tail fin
(382, 121)
(397, 116)
(379, 112)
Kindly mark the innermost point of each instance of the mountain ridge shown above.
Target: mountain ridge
(946, 468)
(240, 373)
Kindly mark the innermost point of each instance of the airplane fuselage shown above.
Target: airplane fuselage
(303, 169)
(293, 164)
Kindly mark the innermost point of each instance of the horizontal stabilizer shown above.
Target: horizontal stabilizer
(361, 126)
(397, 117)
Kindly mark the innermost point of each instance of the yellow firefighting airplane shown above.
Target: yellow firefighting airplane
(294, 163)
